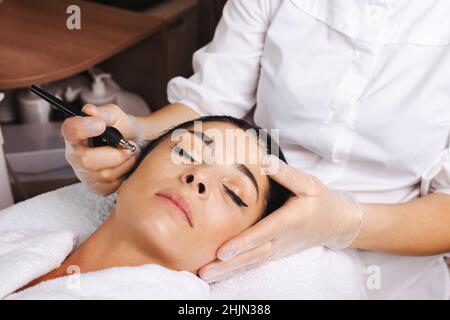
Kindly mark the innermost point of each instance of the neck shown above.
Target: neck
(107, 247)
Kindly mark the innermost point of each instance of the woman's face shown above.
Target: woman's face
(180, 210)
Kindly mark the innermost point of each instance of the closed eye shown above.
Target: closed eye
(183, 153)
(235, 197)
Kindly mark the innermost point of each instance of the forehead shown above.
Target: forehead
(231, 144)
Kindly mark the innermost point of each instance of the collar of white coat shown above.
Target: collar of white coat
(384, 21)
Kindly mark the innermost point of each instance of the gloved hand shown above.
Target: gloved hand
(315, 216)
(100, 169)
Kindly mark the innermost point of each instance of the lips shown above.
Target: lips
(178, 204)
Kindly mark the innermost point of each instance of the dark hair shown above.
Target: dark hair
(277, 195)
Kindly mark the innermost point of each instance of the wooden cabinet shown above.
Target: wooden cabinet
(147, 67)
(37, 47)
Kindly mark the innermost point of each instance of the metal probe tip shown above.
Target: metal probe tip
(126, 145)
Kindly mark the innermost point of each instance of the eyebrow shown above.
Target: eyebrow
(246, 171)
(204, 137)
(241, 167)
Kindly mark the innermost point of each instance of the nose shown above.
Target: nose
(198, 181)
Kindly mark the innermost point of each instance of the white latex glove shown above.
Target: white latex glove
(100, 169)
(315, 216)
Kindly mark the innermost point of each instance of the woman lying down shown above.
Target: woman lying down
(176, 208)
(184, 198)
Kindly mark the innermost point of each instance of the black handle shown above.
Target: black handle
(111, 137)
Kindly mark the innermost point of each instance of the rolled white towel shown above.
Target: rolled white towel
(28, 254)
(150, 282)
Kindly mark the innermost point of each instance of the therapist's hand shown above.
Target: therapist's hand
(99, 169)
(315, 216)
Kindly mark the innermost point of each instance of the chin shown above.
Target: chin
(164, 236)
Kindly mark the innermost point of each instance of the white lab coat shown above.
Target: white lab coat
(360, 90)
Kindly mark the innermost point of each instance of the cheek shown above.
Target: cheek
(155, 231)
(224, 227)
(216, 229)
(154, 171)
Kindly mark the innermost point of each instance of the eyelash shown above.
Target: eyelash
(236, 199)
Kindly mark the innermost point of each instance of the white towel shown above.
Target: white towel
(314, 273)
(149, 282)
(27, 254)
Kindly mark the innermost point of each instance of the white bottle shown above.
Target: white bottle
(99, 94)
